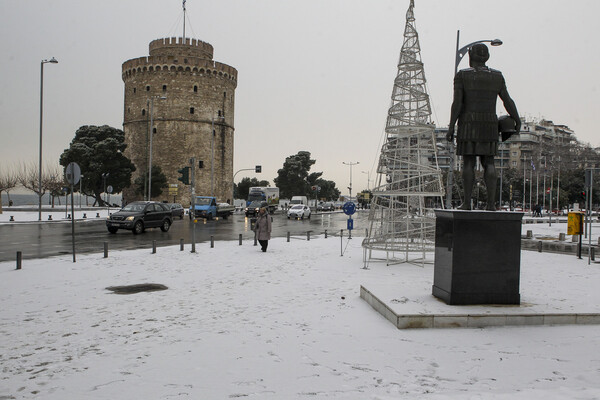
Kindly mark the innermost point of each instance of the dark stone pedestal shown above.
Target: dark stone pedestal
(477, 257)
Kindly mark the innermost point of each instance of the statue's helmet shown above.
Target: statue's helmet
(479, 52)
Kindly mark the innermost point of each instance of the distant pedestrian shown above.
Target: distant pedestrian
(262, 228)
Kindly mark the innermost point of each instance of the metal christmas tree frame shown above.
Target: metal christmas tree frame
(409, 184)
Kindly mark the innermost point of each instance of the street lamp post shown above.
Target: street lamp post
(150, 149)
(460, 53)
(52, 61)
(368, 179)
(104, 177)
(350, 163)
(80, 183)
(212, 154)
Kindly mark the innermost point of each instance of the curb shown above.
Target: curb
(424, 321)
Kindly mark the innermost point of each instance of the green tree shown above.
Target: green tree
(241, 189)
(328, 190)
(99, 150)
(292, 178)
(159, 182)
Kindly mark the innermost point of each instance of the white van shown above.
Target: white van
(299, 200)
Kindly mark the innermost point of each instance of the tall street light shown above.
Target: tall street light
(150, 150)
(350, 163)
(212, 154)
(368, 179)
(52, 61)
(460, 53)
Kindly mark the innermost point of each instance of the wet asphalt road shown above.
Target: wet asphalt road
(46, 239)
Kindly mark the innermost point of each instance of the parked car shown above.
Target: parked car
(253, 207)
(299, 211)
(140, 215)
(176, 210)
(326, 206)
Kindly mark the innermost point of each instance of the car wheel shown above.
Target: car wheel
(138, 228)
(113, 230)
(308, 216)
(165, 225)
(302, 217)
(288, 217)
(181, 216)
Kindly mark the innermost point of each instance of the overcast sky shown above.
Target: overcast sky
(314, 75)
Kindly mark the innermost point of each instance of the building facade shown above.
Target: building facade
(189, 99)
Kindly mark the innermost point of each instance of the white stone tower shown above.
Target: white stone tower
(409, 183)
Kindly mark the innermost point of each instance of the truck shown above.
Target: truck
(207, 207)
(299, 200)
(264, 193)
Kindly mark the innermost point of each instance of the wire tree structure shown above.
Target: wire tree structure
(409, 182)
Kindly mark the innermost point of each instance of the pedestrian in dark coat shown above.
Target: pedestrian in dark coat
(262, 228)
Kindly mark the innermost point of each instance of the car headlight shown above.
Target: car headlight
(130, 218)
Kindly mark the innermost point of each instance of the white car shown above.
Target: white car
(299, 211)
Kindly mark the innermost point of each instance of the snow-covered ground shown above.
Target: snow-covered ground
(286, 324)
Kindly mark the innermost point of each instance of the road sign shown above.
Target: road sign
(73, 173)
(350, 224)
(349, 208)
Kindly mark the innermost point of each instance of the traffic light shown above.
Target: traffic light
(258, 169)
(185, 175)
(583, 195)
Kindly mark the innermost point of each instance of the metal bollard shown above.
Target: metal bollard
(593, 253)
(180, 244)
(561, 236)
(308, 235)
(366, 232)
(529, 235)
(288, 237)
(240, 239)
(84, 215)
(575, 239)
(212, 242)
(540, 246)
(97, 215)
(19, 259)
(12, 218)
(153, 246)
(341, 242)
(105, 249)
(68, 216)
(49, 217)
(255, 239)
(325, 233)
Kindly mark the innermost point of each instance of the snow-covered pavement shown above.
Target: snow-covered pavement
(286, 324)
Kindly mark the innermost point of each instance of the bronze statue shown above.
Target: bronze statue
(474, 106)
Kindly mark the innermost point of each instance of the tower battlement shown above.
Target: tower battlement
(177, 46)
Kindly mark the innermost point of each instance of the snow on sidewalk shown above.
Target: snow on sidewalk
(286, 324)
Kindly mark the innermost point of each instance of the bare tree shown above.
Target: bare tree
(28, 177)
(8, 181)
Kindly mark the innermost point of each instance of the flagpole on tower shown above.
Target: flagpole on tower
(184, 21)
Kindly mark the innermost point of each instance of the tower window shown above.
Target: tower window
(191, 110)
(219, 113)
(143, 111)
(147, 88)
(164, 88)
(224, 95)
(195, 88)
(133, 90)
